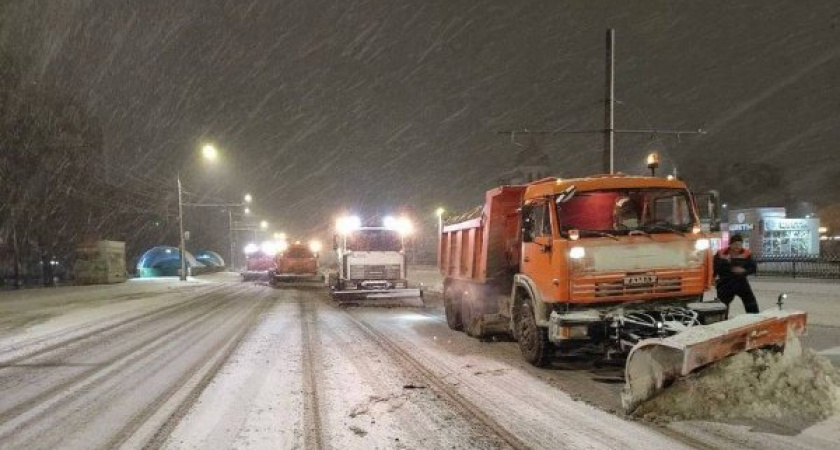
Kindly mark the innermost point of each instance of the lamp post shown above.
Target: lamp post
(248, 199)
(263, 226)
(209, 153)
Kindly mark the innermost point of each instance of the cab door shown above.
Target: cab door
(537, 247)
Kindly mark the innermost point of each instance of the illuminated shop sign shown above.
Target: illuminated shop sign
(741, 226)
(787, 225)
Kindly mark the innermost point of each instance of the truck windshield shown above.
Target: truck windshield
(374, 241)
(622, 211)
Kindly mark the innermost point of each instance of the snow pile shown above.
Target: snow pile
(792, 385)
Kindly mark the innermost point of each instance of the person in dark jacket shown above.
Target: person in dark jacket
(732, 265)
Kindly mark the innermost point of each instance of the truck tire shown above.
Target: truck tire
(533, 340)
(452, 309)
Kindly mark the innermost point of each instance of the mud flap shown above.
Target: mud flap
(653, 364)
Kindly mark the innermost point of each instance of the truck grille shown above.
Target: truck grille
(375, 272)
(617, 288)
(605, 288)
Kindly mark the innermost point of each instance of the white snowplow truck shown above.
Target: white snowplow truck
(371, 261)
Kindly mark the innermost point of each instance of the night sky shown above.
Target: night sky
(377, 106)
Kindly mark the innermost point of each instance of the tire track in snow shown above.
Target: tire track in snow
(26, 413)
(312, 426)
(221, 353)
(137, 320)
(448, 393)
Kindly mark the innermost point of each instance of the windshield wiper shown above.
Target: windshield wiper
(638, 231)
(601, 233)
(666, 228)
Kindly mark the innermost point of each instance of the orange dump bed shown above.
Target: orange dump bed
(483, 245)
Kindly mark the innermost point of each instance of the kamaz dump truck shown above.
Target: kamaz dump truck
(610, 266)
(371, 261)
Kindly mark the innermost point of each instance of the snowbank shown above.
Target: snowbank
(796, 386)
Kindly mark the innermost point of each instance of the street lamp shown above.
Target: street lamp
(209, 153)
(653, 162)
(248, 198)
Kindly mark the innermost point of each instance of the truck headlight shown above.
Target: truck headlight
(577, 253)
(701, 244)
(315, 246)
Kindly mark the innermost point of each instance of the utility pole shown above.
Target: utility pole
(181, 245)
(609, 107)
(232, 263)
(609, 131)
(231, 226)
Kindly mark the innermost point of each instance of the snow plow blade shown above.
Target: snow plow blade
(380, 297)
(653, 364)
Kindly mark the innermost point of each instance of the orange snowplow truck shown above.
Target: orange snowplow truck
(611, 266)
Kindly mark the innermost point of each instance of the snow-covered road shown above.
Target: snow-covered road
(217, 364)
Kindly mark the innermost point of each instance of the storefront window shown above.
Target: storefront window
(787, 242)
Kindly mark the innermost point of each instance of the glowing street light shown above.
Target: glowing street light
(209, 152)
(247, 210)
(264, 225)
(248, 198)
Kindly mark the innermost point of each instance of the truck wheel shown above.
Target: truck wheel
(452, 309)
(533, 340)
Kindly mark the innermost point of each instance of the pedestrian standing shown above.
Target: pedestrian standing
(731, 267)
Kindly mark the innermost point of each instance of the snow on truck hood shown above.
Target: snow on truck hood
(612, 257)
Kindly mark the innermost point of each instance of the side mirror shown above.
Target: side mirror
(709, 210)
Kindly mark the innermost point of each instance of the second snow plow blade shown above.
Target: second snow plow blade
(653, 364)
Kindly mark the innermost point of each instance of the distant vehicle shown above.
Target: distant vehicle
(371, 260)
(257, 263)
(296, 261)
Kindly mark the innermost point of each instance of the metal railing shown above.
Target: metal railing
(800, 266)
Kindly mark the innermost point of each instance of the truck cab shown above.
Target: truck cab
(371, 260)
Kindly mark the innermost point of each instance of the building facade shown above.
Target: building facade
(769, 232)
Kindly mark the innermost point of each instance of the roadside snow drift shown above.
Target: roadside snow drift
(795, 385)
